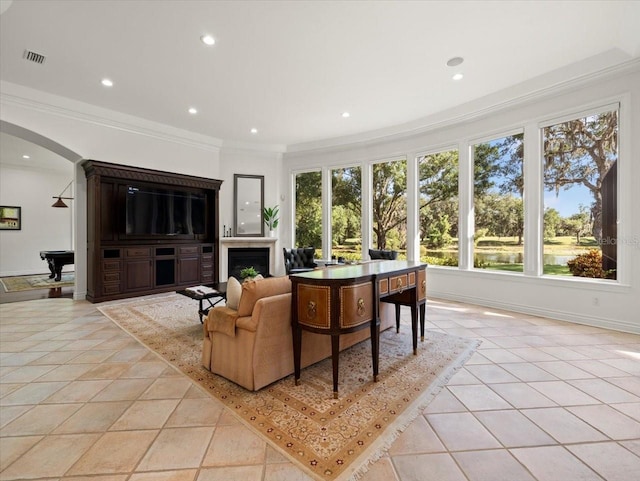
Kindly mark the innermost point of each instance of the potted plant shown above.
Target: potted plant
(270, 216)
(248, 273)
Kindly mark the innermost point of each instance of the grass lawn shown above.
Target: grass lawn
(562, 246)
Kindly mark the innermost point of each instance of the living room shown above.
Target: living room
(602, 75)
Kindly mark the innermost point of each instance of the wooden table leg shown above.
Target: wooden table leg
(414, 327)
(296, 331)
(375, 348)
(335, 355)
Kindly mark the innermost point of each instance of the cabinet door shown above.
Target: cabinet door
(189, 270)
(138, 274)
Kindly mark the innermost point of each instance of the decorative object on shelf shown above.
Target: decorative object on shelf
(248, 273)
(10, 217)
(248, 203)
(271, 218)
(60, 202)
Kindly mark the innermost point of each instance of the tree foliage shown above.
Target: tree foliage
(309, 209)
(438, 209)
(581, 151)
(389, 202)
(346, 211)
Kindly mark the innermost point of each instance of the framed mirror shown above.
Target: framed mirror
(248, 202)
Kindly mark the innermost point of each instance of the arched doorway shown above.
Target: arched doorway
(20, 136)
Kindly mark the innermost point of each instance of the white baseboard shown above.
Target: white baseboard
(613, 324)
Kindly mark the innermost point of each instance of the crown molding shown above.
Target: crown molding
(238, 146)
(38, 101)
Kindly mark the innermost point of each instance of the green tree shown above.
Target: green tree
(578, 224)
(346, 215)
(581, 151)
(438, 207)
(309, 209)
(552, 222)
(389, 200)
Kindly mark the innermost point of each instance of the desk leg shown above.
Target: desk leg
(335, 355)
(397, 317)
(297, 341)
(375, 348)
(423, 308)
(200, 310)
(414, 327)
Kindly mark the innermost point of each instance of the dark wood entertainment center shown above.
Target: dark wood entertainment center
(121, 264)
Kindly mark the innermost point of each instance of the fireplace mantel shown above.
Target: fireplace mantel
(227, 243)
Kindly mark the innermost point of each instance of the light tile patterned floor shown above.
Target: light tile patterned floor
(540, 400)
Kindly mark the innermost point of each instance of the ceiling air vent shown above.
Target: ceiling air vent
(34, 57)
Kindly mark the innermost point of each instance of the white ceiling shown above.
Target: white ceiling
(290, 68)
(13, 148)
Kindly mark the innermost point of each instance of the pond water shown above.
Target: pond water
(504, 257)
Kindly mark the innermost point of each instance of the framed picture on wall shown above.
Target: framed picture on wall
(10, 217)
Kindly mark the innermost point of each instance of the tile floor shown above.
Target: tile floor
(540, 400)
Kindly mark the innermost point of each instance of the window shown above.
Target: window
(346, 213)
(309, 210)
(580, 208)
(438, 208)
(498, 204)
(389, 206)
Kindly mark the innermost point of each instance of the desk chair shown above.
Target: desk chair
(299, 259)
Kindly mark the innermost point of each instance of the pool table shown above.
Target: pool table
(56, 261)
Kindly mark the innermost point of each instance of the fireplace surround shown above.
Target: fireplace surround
(229, 243)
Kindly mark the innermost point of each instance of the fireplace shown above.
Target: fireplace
(240, 257)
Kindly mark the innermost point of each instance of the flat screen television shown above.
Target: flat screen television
(164, 212)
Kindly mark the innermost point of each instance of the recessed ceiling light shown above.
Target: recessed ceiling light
(106, 82)
(25, 156)
(346, 115)
(457, 76)
(208, 39)
(254, 130)
(193, 110)
(455, 61)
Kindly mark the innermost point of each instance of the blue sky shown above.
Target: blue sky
(567, 201)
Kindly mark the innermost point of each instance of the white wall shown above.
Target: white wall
(614, 305)
(43, 227)
(244, 160)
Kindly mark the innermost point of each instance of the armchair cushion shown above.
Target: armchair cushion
(254, 290)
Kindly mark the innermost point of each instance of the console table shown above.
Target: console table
(344, 299)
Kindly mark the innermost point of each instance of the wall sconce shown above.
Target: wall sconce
(60, 202)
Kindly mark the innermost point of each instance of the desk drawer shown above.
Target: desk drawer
(422, 284)
(356, 304)
(396, 283)
(314, 306)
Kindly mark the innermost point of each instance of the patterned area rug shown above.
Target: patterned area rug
(39, 281)
(330, 439)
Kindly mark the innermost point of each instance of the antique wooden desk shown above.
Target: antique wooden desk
(339, 300)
